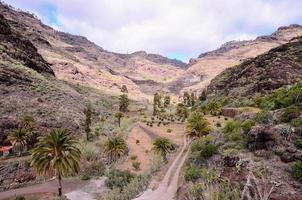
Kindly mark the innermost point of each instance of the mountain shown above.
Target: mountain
(279, 67)
(80, 61)
(208, 65)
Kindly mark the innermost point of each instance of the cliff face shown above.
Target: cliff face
(208, 65)
(279, 67)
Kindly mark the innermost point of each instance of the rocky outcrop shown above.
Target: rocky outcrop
(262, 137)
(279, 67)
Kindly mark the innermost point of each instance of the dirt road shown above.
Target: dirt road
(168, 187)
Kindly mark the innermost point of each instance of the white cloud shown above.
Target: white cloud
(168, 26)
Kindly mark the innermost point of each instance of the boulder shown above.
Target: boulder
(230, 161)
(262, 137)
(230, 112)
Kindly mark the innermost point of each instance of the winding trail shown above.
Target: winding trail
(168, 187)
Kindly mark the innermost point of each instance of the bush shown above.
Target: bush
(298, 143)
(297, 170)
(133, 157)
(247, 125)
(231, 126)
(26, 164)
(90, 151)
(207, 151)
(264, 117)
(96, 168)
(296, 122)
(136, 165)
(289, 114)
(118, 179)
(19, 198)
(192, 173)
(169, 130)
(85, 177)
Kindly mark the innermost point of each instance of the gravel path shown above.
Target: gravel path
(169, 185)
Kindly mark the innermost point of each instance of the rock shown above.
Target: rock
(230, 161)
(298, 156)
(291, 149)
(230, 112)
(287, 157)
(262, 137)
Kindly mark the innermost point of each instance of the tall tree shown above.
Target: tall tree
(156, 103)
(124, 103)
(57, 153)
(162, 146)
(115, 148)
(88, 114)
(119, 116)
(197, 125)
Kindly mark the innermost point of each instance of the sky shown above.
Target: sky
(180, 29)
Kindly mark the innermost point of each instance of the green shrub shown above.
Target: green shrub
(290, 113)
(198, 144)
(118, 179)
(264, 117)
(133, 157)
(26, 164)
(169, 130)
(136, 165)
(298, 143)
(91, 152)
(297, 170)
(96, 168)
(85, 177)
(231, 126)
(192, 173)
(207, 151)
(247, 125)
(297, 122)
(196, 191)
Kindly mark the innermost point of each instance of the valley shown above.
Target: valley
(81, 122)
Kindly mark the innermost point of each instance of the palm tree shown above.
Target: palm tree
(162, 146)
(119, 116)
(197, 125)
(115, 148)
(18, 138)
(56, 154)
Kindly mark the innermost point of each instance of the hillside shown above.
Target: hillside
(210, 64)
(76, 59)
(279, 67)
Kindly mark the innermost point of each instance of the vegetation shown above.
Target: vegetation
(56, 153)
(124, 103)
(192, 173)
(88, 113)
(264, 117)
(115, 147)
(124, 89)
(136, 164)
(197, 125)
(290, 113)
(119, 116)
(233, 131)
(23, 134)
(118, 179)
(203, 149)
(162, 146)
(182, 111)
(247, 125)
(297, 170)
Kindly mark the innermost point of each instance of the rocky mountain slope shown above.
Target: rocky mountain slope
(279, 67)
(208, 65)
(76, 59)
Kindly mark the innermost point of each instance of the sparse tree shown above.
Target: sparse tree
(182, 111)
(124, 89)
(197, 125)
(88, 114)
(186, 99)
(203, 96)
(57, 153)
(124, 103)
(119, 116)
(162, 146)
(167, 101)
(115, 148)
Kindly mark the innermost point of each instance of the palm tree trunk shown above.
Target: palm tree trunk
(60, 184)
(119, 122)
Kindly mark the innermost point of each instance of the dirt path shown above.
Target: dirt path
(169, 185)
(47, 187)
